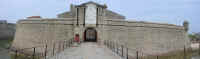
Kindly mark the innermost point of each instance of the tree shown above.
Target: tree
(197, 35)
(194, 36)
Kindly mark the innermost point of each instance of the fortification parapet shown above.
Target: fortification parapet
(153, 25)
(142, 24)
(115, 22)
(47, 21)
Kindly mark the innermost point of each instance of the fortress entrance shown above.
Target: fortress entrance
(90, 35)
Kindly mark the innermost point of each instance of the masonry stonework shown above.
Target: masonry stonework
(149, 37)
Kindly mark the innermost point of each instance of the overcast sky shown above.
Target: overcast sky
(164, 11)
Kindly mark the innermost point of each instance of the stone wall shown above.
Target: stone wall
(37, 32)
(151, 38)
(147, 37)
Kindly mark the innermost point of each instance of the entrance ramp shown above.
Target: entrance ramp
(87, 50)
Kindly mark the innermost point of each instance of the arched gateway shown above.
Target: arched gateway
(90, 35)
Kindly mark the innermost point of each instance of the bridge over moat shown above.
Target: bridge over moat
(88, 50)
(106, 49)
(70, 49)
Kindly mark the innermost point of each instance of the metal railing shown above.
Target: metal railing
(128, 53)
(42, 52)
(121, 50)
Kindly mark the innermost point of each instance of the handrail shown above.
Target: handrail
(47, 49)
(31, 47)
(124, 51)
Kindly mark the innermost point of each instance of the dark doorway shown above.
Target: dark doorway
(90, 35)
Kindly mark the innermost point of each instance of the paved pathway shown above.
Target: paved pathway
(87, 50)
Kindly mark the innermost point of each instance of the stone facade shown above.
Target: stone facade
(144, 36)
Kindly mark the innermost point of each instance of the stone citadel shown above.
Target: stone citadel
(94, 22)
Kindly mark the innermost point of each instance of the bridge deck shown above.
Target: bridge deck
(87, 50)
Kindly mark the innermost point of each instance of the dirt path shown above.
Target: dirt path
(87, 51)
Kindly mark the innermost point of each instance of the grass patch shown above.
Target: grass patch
(5, 43)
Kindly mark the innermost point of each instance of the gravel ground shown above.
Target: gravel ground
(89, 50)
